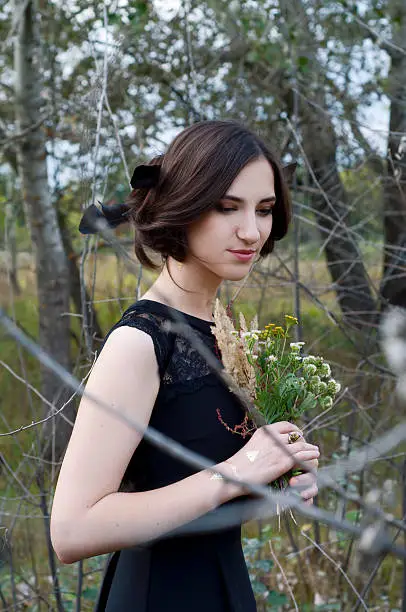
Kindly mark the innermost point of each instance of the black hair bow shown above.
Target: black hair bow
(144, 177)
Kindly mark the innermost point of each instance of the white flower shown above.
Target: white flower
(314, 383)
(310, 359)
(396, 354)
(271, 358)
(325, 370)
(326, 402)
(322, 387)
(333, 386)
(309, 369)
(296, 346)
(250, 335)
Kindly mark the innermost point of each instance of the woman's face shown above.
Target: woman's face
(241, 221)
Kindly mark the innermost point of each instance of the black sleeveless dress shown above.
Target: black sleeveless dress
(203, 572)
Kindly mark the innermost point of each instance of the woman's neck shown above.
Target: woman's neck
(197, 300)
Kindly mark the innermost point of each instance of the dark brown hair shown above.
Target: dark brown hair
(199, 166)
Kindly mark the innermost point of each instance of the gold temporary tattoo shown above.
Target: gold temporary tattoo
(252, 455)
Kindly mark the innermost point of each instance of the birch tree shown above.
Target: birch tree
(52, 273)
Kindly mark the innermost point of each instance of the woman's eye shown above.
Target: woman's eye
(224, 208)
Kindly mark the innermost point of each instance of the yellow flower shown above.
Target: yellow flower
(291, 319)
(278, 331)
(267, 332)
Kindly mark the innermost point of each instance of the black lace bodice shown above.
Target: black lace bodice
(190, 398)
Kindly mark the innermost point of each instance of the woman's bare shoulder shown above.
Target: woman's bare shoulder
(125, 378)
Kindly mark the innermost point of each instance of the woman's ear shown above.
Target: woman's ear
(289, 171)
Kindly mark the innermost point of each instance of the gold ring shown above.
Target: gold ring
(294, 436)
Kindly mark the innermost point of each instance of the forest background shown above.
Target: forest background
(88, 91)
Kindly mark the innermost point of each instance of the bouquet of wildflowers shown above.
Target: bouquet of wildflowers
(280, 382)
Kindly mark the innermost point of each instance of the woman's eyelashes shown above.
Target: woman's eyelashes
(228, 209)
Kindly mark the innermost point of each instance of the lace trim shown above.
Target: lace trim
(147, 323)
(171, 391)
(180, 364)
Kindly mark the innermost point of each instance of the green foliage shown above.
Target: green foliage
(275, 600)
(287, 384)
(328, 607)
(303, 64)
(259, 569)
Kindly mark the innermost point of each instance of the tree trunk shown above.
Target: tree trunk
(51, 262)
(95, 330)
(344, 259)
(393, 287)
(10, 240)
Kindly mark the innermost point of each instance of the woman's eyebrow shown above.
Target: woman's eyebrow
(236, 199)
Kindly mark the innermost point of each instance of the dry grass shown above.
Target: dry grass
(232, 350)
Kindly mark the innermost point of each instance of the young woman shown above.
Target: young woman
(212, 204)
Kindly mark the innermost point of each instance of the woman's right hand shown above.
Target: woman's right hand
(268, 454)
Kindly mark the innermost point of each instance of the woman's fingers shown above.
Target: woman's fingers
(313, 464)
(283, 427)
(306, 483)
(310, 465)
(302, 480)
(305, 456)
(302, 445)
(310, 493)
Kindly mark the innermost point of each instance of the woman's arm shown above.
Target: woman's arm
(122, 520)
(89, 516)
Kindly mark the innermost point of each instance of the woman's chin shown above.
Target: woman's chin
(235, 273)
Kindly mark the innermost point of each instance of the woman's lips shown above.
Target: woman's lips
(243, 255)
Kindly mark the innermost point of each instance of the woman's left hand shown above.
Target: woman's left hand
(307, 485)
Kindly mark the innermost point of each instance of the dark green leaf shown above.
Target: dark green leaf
(90, 593)
(265, 565)
(276, 599)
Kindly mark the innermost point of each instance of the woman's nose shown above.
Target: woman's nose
(248, 229)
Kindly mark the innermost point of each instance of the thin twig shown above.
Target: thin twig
(286, 581)
(337, 566)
